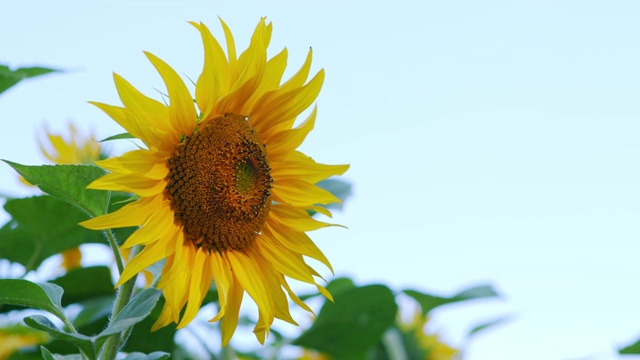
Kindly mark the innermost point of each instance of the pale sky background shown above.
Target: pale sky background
(490, 141)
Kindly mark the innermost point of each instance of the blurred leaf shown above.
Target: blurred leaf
(158, 355)
(632, 349)
(118, 137)
(84, 343)
(94, 310)
(40, 227)
(46, 355)
(9, 78)
(353, 324)
(143, 340)
(339, 188)
(68, 183)
(335, 287)
(135, 311)
(85, 283)
(429, 302)
(491, 323)
(43, 296)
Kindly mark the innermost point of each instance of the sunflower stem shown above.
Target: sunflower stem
(116, 251)
(113, 344)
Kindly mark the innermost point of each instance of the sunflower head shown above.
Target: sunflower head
(222, 193)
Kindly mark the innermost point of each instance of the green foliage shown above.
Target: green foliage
(68, 183)
(43, 296)
(42, 226)
(85, 284)
(9, 78)
(339, 188)
(46, 355)
(631, 349)
(158, 355)
(352, 325)
(429, 302)
(82, 342)
(118, 137)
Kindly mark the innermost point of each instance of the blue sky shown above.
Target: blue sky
(492, 141)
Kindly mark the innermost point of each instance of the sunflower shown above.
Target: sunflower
(75, 148)
(222, 193)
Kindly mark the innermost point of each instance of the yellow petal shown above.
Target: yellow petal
(182, 112)
(214, 79)
(150, 117)
(132, 183)
(164, 319)
(181, 261)
(249, 276)
(198, 287)
(286, 141)
(157, 226)
(223, 278)
(300, 193)
(141, 161)
(133, 214)
(276, 111)
(296, 241)
(229, 322)
(295, 218)
(150, 255)
(299, 166)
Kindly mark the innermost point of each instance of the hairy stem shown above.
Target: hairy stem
(113, 344)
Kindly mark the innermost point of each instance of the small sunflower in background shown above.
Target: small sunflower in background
(422, 345)
(14, 337)
(72, 148)
(222, 193)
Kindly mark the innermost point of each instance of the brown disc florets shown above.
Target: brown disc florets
(219, 184)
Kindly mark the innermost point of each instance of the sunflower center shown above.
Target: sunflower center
(219, 184)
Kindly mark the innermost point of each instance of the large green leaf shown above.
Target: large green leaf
(143, 340)
(631, 349)
(157, 355)
(40, 227)
(43, 296)
(352, 325)
(339, 188)
(134, 312)
(68, 183)
(85, 283)
(83, 342)
(428, 302)
(9, 78)
(47, 355)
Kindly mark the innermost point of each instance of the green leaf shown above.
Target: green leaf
(9, 78)
(85, 283)
(143, 340)
(83, 342)
(43, 296)
(335, 287)
(158, 355)
(631, 349)
(352, 325)
(429, 302)
(46, 355)
(93, 310)
(135, 311)
(68, 183)
(119, 137)
(480, 327)
(339, 188)
(40, 227)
